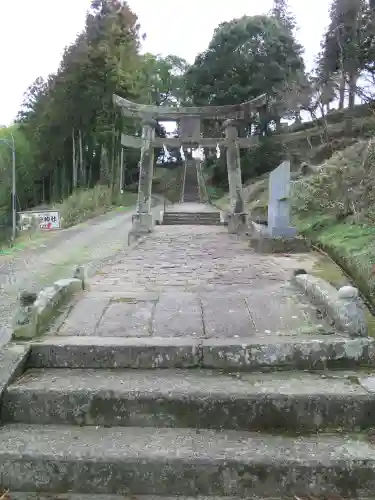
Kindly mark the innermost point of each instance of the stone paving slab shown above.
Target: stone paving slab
(121, 316)
(226, 315)
(204, 314)
(193, 281)
(178, 314)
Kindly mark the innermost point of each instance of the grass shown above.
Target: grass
(78, 208)
(168, 182)
(320, 213)
(85, 204)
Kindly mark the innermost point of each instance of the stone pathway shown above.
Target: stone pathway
(192, 281)
(191, 368)
(93, 243)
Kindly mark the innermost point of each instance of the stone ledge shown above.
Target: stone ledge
(206, 399)
(184, 461)
(34, 317)
(261, 242)
(243, 355)
(13, 357)
(344, 309)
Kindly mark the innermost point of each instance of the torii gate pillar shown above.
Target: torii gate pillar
(237, 216)
(142, 220)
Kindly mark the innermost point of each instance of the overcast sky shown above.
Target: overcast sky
(33, 34)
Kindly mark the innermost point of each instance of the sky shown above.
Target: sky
(33, 35)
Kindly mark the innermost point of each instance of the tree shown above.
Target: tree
(280, 11)
(68, 126)
(342, 48)
(161, 79)
(71, 118)
(246, 57)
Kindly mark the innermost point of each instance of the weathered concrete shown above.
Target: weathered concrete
(264, 243)
(342, 306)
(243, 110)
(182, 462)
(296, 402)
(295, 352)
(192, 218)
(13, 359)
(191, 270)
(178, 314)
(195, 311)
(109, 352)
(233, 165)
(15, 495)
(33, 319)
(269, 352)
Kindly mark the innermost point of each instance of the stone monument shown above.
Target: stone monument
(279, 203)
(279, 235)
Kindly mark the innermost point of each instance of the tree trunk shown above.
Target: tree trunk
(342, 91)
(104, 167)
(352, 89)
(278, 123)
(81, 165)
(75, 172)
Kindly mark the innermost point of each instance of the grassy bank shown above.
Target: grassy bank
(85, 204)
(78, 208)
(351, 246)
(335, 209)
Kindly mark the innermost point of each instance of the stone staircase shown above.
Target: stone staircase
(191, 186)
(192, 218)
(188, 417)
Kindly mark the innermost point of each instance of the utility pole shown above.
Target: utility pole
(122, 171)
(12, 146)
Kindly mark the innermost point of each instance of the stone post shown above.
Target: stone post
(236, 216)
(142, 220)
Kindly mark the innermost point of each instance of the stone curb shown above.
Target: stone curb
(343, 306)
(34, 316)
(13, 359)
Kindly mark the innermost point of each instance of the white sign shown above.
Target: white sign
(48, 220)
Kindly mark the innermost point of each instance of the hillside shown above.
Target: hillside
(333, 200)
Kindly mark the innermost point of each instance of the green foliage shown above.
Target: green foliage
(344, 187)
(68, 132)
(254, 162)
(86, 203)
(162, 79)
(25, 173)
(246, 57)
(348, 48)
(280, 11)
(262, 159)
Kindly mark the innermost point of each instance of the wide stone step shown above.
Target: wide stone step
(82, 496)
(193, 222)
(143, 461)
(201, 218)
(296, 402)
(194, 216)
(182, 218)
(244, 354)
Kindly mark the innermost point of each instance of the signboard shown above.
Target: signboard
(47, 220)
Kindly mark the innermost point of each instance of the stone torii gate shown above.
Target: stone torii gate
(190, 120)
